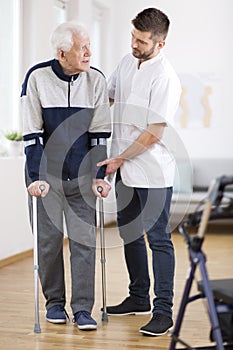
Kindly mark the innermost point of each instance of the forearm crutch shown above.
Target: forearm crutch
(102, 251)
(37, 328)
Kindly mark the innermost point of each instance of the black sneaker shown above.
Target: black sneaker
(128, 307)
(158, 325)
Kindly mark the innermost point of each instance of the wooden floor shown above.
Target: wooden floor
(17, 303)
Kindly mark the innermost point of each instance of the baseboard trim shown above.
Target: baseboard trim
(28, 253)
(14, 258)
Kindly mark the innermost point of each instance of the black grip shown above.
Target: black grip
(226, 180)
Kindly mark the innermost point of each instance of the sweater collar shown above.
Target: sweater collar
(56, 67)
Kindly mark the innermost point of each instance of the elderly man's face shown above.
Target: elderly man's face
(78, 58)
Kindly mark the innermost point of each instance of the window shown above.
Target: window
(59, 12)
(9, 65)
(101, 36)
(96, 37)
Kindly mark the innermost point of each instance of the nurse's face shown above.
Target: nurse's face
(143, 46)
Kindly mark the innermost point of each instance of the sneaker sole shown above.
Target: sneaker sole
(56, 321)
(138, 313)
(87, 327)
(155, 334)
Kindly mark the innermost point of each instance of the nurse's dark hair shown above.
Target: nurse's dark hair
(154, 21)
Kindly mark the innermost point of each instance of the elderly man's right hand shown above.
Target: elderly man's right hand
(38, 188)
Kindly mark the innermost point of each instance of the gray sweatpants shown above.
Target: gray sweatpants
(74, 201)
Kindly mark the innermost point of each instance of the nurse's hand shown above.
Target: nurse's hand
(112, 164)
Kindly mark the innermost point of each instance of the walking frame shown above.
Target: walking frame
(213, 209)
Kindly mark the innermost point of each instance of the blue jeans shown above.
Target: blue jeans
(139, 211)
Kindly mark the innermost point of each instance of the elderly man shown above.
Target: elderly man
(66, 123)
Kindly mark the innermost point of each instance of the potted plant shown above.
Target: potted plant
(14, 136)
(14, 145)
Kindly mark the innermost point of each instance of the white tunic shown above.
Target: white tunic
(144, 96)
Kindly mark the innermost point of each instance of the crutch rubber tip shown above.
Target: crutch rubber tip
(37, 328)
(104, 317)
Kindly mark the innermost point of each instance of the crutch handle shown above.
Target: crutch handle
(100, 189)
(42, 188)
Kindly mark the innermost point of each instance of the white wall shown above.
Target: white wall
(15, 233)
(199, 41)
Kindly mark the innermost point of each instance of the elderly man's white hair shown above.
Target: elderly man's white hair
(62, 37)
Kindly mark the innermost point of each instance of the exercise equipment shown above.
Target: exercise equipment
(214, 208)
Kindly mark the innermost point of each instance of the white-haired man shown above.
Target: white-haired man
(66, 123)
